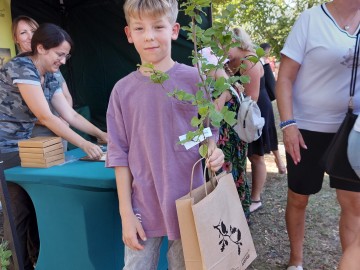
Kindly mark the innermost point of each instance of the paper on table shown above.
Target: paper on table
(87, 158)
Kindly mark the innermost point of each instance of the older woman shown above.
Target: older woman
(27, 86)
(312, 95)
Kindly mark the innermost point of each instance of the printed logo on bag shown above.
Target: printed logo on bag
(233, 235)
(246, 257)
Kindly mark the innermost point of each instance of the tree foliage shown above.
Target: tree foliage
(266, 20)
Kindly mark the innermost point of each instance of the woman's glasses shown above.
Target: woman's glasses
(62, 56)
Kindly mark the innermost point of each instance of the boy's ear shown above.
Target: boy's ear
(128, 34)
(175, 31)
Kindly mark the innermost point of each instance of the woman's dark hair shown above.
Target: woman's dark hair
(49, 36)
(265, 46)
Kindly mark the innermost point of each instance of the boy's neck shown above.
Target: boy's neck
(163, 66)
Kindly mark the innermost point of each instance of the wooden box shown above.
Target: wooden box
(41, 152)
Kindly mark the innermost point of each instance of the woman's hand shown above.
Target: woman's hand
(92, 150)
(293, 140)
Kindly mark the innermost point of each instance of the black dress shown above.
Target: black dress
(268, 140)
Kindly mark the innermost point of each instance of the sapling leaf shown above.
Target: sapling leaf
(216, 116)
(190, 135)
(244, 79)
(195, 121)
(229, 117)
(198, 19)
(203, 149)
(260, 52)
(203, 110)
(216, 124)
(252, 58)
(199, 94)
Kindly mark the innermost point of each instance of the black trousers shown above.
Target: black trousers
(23, 211)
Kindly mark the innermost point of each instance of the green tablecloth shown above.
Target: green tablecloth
(77, 211)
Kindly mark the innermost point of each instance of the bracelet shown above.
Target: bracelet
(287, 123)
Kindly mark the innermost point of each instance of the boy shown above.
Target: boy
(144, 126)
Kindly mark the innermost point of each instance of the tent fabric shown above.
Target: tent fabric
(102, 54)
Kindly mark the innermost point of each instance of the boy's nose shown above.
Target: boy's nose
(148, 38)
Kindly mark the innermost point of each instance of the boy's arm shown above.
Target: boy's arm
(131, 226)
(216, 156)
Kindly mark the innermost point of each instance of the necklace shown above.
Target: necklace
(346, 25)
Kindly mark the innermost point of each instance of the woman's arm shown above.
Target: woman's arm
(35, 100)
(255, 72)
(75, 119)
(284, 85)
(67, 94)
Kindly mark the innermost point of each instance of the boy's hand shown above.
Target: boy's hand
(131, 230)
(215, 158)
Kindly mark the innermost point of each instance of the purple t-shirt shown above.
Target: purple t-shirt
(144, 125)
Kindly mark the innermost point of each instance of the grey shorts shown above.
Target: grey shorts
(148, 258)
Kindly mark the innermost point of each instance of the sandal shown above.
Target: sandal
(255, 205)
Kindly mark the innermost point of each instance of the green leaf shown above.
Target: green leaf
(260, 52)
(195, 121)
(203, 110)
(216, 124)
(190, 135)
(244, 79)
(229, 117)
(253, 59)
(199, 94)
(216, 116)
(203, 150)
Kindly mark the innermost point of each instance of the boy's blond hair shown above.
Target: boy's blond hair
(137, 8)
(246, 43)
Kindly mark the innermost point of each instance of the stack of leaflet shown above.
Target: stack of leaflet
(41, 152)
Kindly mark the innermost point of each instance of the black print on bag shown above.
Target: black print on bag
(227, 236)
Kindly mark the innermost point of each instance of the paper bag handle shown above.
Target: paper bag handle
(192, 176)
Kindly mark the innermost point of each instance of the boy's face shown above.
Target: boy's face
(152, 38)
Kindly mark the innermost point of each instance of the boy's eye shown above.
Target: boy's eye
(159, 27)
(138, 28)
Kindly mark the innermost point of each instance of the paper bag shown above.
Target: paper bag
(213, 227)
(188, 234)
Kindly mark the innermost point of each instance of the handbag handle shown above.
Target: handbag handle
(354, 71)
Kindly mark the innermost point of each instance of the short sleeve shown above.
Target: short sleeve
(295, 45)
(21, 70)
(59, 77)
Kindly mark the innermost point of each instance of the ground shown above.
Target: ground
(322, 245)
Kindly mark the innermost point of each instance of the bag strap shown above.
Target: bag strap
(354, 71)
(192, 177)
